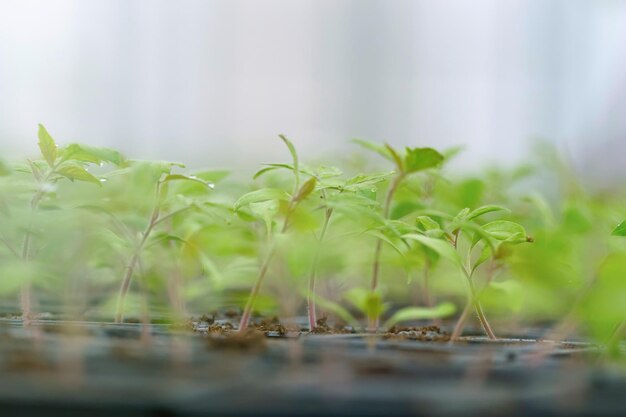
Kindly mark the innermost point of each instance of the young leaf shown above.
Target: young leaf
(294, 157)
(419, 159)
(35, 170)
(443, 248)
(212, 176)
(368, 302)
(442, 310)
(76, 172)
(374, 147)
(429, 227)
(263, 194)
(620, 230)
(84, 153)
(485, 253)
(307, 188)
(480, 211)
(396, 158)
(506, 230)
(365, 182)
(382, 237)
(266, 211)
(181, 177)
(338, 310)
(47, 146)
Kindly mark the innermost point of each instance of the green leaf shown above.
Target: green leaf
(381, 236)
(481, 211)
(266, 211)
(307, 188)
(181, 177)
(442, 247)
(485, 254)
(76, 172)
(620, 230)
(213, 175)
(263, 194)
(462, 216)
(35, 170)
(404, 208)
(338, 310)
(505, 230)
(374, 147)
(294, 157)
(442, 310)
(419, 159)
(365, 182)
(368, 302)
(163, 237)
(396, 158)
(429, 226)
(47, 146)
(84, 153)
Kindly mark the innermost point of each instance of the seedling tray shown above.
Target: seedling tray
(97, 369)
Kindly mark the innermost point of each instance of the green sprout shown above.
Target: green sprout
(265, 204)
(69, 162)
(493, 239)
(163, 209)
(413, 160)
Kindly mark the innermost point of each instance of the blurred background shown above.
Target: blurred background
(213, 82)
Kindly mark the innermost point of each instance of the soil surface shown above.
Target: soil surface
(205, 367)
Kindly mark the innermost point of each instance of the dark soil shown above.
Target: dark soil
(424, 334)
(207, 368)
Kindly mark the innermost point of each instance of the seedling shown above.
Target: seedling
(69, 162)
(265, 204)
(371, 305)
(412, 161)
(493, 239)
(161, 212)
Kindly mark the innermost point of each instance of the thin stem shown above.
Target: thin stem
(393, 187)
(472, 301)
(130, 268)
(247, 312)
(313, 275)
(26, 290)
(170, 215)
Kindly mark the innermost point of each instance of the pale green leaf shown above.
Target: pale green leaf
(442, 247)
(78, 173)
(442, 310)
(262, 194)
(84, 153)
(374, 147)
(620, 230)
(47, 146)
(481, 211)
(181, 177)
(419, 159)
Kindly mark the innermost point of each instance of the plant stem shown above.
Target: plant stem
(26, 289)
(313, 275)
(393, 187)
(247, 312)
(134, 260)
(472, 301)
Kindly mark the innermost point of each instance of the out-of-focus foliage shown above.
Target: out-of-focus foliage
(74, 218)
